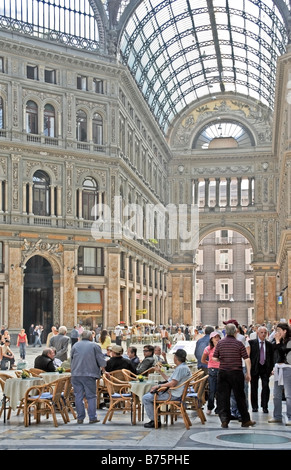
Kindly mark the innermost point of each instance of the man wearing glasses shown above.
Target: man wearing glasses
(148, 361)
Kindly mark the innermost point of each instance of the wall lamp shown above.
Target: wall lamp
(74, 268)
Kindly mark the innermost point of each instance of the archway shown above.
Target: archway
(224, 278)
(38, 294)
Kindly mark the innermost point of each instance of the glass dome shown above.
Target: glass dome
(180, 51)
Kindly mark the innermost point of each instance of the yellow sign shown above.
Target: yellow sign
(142, 312)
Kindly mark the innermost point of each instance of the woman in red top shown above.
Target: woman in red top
(22, 343)
(212, 367)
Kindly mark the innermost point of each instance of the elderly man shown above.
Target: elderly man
(86, 361)
(46, 360)
(261, 355)
(229, 352)
(179, 376)
(61, 343)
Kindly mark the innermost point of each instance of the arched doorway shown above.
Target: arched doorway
(38, 294)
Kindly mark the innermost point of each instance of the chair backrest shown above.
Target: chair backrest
(35, 372)
(3, 378)
(58, 388)
(151, 370)
(67, 387)
(118, 374)
(198, 386)
(201, 389)
(114, 386)
(129, 375)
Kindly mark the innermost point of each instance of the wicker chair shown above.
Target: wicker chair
(47, 400)
(5, 403)
(172, 407)
(195, 398)
(69, 398)
(121, 399)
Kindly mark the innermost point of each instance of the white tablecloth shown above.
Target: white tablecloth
(49, 377)
(141, 388)
(15, 389)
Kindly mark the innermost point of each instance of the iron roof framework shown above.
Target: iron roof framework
(181, 51)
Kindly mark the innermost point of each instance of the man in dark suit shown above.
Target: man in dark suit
(261, 355)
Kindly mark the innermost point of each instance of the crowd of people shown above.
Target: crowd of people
(234, 357)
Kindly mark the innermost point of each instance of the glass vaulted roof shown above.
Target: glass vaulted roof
(181, 51)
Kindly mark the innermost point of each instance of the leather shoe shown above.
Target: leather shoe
(80, 421)
(255, 410)
(265, 410)
(224, 424)
(94, 421)
(248, 423)
(151, 424)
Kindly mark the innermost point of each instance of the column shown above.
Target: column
(59, 201)
(23, 198)
(206, 205)
(30, 198)
(250, 192)
(6, 196)
(133, 297)
(80, 203)
(228, 182)
(239, 191)
(52, 199)
(217, 183)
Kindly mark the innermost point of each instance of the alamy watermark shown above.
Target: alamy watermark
(153, 222)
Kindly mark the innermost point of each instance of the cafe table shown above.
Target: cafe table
(15, 390)
(49, 377)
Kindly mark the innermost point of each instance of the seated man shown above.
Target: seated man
(131, 354)
(117, 361)
(148, 361)
(181, 374)
(7, 354)
(160, 356)
(45, 361)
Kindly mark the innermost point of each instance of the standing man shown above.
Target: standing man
(261, 356)
(61, 343)
(86, 361)
(201, 344)
(230, 352)
(74, 335)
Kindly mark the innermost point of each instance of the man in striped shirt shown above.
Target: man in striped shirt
(230, 352)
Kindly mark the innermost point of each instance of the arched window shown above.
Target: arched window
(31, 117)
(49, 121)
(41, 184)
(81, 126)
(90, 199)
(1, 113)
(97, 129)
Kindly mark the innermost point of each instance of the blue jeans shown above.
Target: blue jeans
(22, 350)
(212, 382)
(85, 387)
(37, 341)
(148, 402)
(278, 394)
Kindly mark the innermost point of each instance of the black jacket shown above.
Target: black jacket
(255, 356)
(44, 363)
(118, 363)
